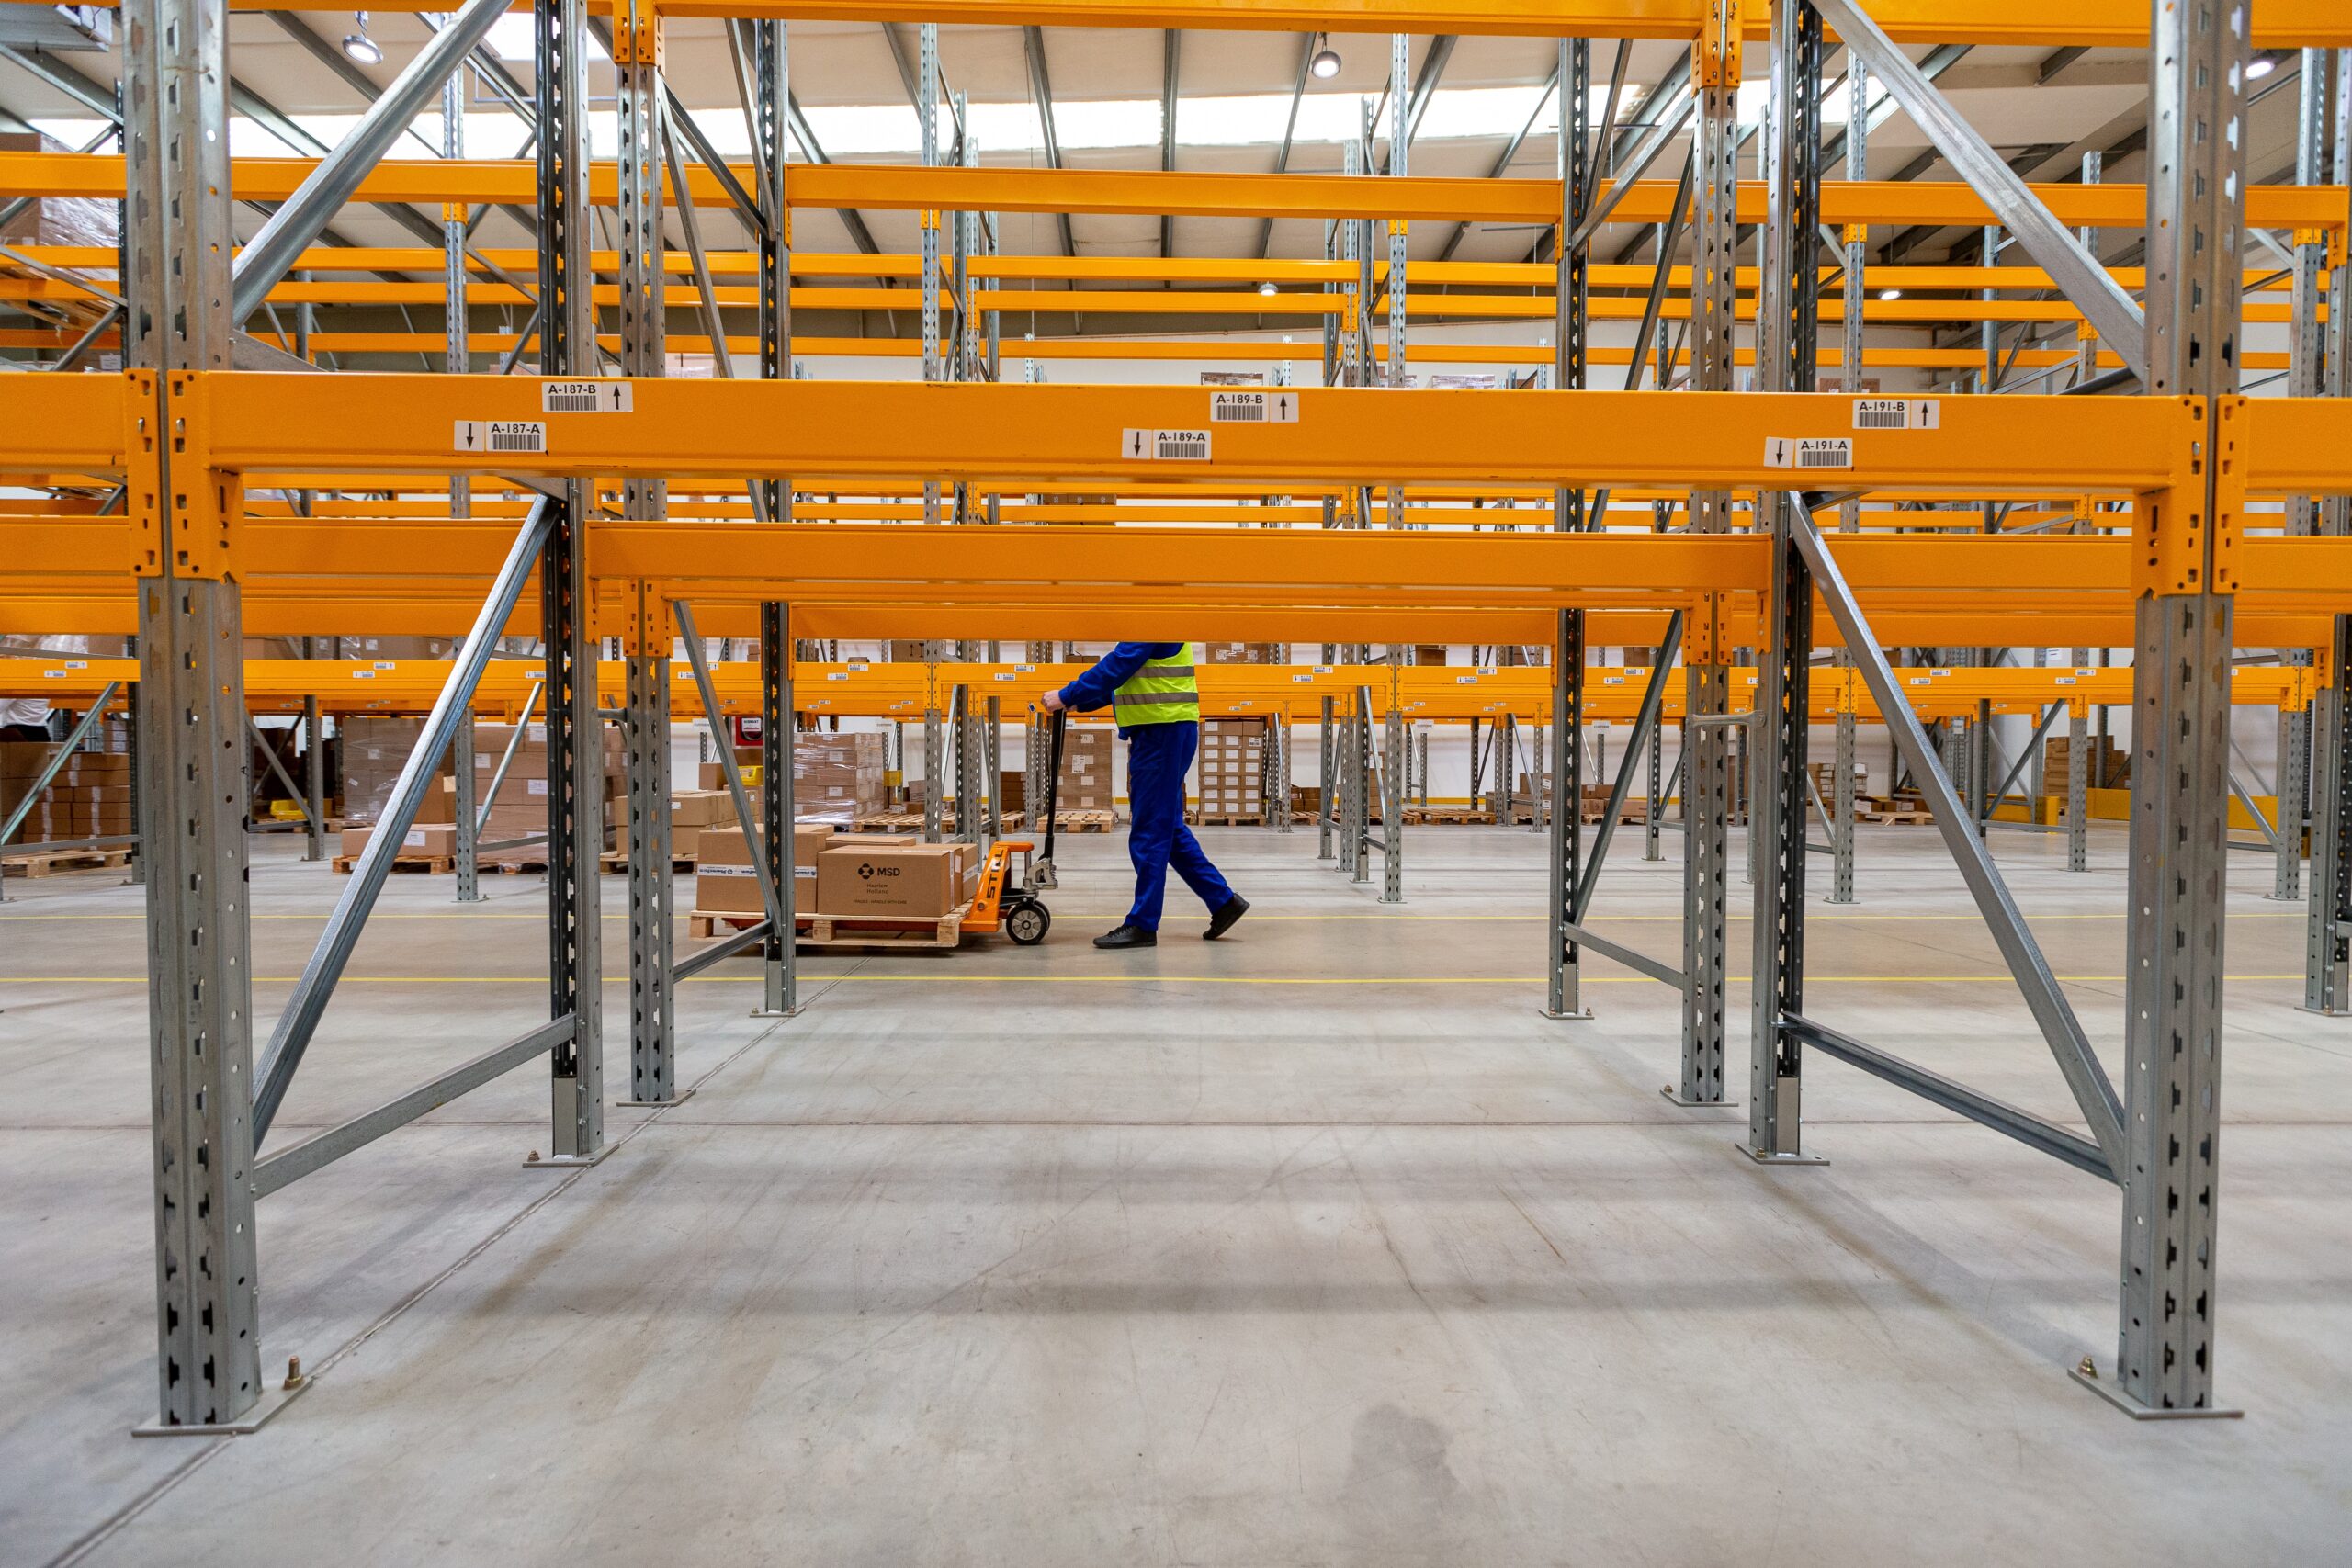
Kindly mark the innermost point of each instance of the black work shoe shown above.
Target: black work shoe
(1222, 921)
(1129, 936)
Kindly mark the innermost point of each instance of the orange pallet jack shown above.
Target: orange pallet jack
(1014, 907)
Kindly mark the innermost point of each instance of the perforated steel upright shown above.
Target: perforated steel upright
(2180, 723)
(191, 714)
(1787, 316)
(1571, 272)
(1706, 747)
(575, 756)
(1849, 519)
(645, 714)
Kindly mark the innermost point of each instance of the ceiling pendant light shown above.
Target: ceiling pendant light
(358, 45)
(2261, 65)
(1267, 289)
(1325, 64)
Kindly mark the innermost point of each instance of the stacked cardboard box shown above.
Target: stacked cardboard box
(1231, 769)
(723, 880)
(841, 874)
(1085, 780)
(867, 875)
(375, 749)
(89, 798)
(425, 841)
(694, 812)
(839, 777)
(1243, 653)
(713, 775)
(2114, 765)
(521, 809)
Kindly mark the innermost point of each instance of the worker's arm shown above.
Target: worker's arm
(1095, 689)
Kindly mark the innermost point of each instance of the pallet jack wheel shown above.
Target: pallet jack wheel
(1027, 921)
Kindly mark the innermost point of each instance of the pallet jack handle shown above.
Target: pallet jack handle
(1042, 873)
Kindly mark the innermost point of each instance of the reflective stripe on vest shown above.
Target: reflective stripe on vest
(1163, 692)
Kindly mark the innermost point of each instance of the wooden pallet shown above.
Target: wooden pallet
(1901, 816)
(38, 863)
(1437, 816)
(615, 862)
(1085, 822)
(845, 931)
(429, 865)
(1226, 819)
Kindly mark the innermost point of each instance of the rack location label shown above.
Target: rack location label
(1897, 413)
(586, 397)
(501, 436)
(1164, 445)
(1809, 452)
(1253, 408)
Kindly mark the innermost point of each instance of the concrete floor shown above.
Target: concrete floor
(1318, 1246)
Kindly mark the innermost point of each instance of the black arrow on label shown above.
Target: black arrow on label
(469, 437)
(1283, 403)
(1139, 451)
(616, 395)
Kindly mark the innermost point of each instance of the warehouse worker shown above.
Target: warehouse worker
(1154, 695)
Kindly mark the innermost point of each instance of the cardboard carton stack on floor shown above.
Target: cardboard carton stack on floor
(838, 778)
(432, 836)
(1231, 769)
(375, 749)
(521, 810)
(89, 798)
(1084, 783)
(2108, 770)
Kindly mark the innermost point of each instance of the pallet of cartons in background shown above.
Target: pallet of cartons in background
(1443, 816)
(1882, 808)
(1085, 822)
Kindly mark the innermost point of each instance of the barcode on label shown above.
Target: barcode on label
(585, 397)
(500, 436)
(363, 674)
(52, 674)
(836, 675)
(1897, 413)
(1302, 678)
(1004, 675)
(1253, 408)
(1809, 452)
(1165, 445)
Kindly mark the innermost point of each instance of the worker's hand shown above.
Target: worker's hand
(1052, 702)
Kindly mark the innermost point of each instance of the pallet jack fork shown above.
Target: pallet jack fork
(1013, 906)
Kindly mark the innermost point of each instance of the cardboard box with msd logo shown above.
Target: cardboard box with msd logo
(918, 881)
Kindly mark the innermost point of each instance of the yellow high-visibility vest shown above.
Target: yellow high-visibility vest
(1163, 692)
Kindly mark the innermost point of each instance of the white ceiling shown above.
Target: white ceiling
(2095, 103)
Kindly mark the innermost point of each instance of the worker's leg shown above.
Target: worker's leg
(1158, 757)
(1191, 862)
